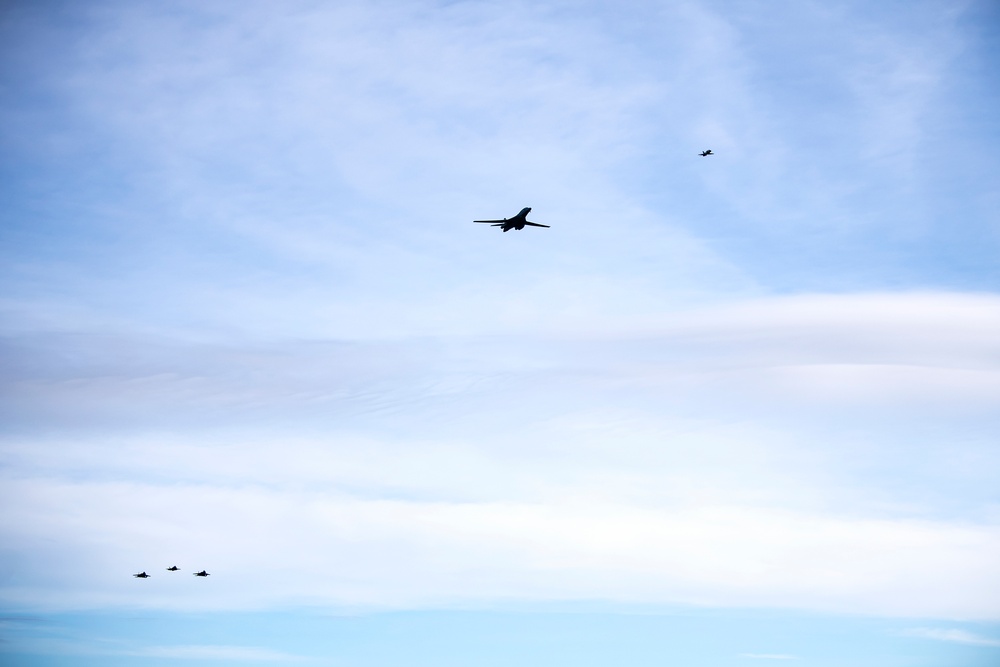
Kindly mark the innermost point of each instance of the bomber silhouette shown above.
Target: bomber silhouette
(517, 222)
(202, 574)
(141, 575)
(173, 568)
(706, 153)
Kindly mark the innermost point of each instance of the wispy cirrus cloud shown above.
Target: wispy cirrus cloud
(598, 458)
(952, 635)
(213, 652)
(91, 647)
(391, 553)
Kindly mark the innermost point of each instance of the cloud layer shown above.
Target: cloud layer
(246, 324)
(705, 460)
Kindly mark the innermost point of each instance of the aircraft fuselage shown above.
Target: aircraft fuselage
(517, 222)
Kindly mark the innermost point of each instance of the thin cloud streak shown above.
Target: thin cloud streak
(952, 635)
(54, 646)
(209, 652)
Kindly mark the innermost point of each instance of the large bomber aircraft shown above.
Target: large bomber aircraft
(517, 222)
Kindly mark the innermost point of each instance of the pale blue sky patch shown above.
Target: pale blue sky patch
(768, 656)
(583, 634)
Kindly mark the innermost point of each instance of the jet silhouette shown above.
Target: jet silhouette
(201, 574)
(141, 575)
(173, 569)
(517, 222)
(706, 153)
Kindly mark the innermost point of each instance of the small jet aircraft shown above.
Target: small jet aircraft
(141, 575)
(517, 222)
(706, 153)
(173, 569)
(201, 574)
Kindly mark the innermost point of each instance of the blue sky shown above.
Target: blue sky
(732, 410)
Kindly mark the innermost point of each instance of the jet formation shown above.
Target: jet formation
(172, 568)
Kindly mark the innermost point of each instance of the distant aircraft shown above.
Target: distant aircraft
(706, 153)
(141, 575)
(173, 569)
(201, 574)
(517, 222)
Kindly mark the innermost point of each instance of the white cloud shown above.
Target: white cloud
(951, 635)
(95, 646)
(319, 546)
(722, 456)
(209, 652)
